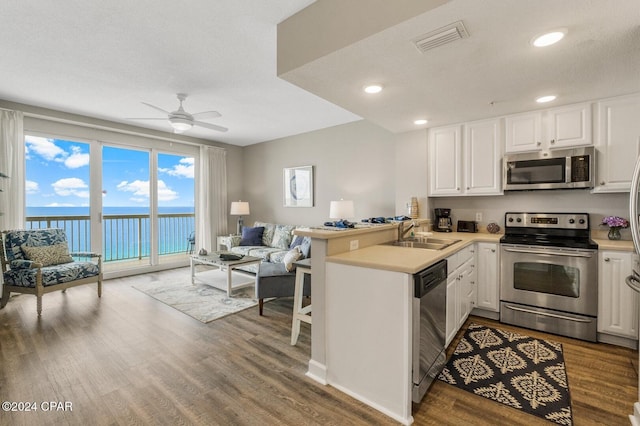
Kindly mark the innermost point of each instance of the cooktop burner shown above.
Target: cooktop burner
(565, 230)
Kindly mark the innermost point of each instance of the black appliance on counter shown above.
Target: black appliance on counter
(549, 274)
(443, 222)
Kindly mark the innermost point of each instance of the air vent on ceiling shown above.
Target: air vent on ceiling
(444, 35)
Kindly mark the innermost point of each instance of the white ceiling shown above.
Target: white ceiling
(495, 71)
(103, 58)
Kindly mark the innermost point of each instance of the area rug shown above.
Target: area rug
(513, 369)
(204, 300)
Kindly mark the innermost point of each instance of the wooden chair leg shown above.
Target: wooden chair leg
(260, 306)
(99, 288)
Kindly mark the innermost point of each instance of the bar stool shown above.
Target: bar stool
(299, 313)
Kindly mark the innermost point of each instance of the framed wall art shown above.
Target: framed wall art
(298, 186)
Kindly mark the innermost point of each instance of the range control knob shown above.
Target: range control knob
(582, 221)
(572, 221)
(510, 219)
(519, 220)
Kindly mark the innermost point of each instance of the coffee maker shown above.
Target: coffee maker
(443, 222)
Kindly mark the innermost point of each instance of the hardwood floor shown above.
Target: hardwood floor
(128, 359)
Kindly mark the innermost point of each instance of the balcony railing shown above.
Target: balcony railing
(124, 237)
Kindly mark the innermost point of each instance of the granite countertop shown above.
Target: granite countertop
(409, 260)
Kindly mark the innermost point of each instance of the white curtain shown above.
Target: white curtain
(12, 201)
(211, 203)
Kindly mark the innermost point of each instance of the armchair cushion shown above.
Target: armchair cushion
(52, 274)
(48, 255)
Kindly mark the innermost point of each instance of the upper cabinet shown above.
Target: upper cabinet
(445, 161)
(618, 144)
(465, 167)
(562, 127)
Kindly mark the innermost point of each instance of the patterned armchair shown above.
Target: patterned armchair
(37, 261)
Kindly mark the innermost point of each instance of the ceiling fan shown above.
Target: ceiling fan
(181, 120)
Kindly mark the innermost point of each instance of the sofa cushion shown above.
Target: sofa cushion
(292, 256)
(282, 236)
(33, 238)
(262, 252)
(252, 236)
(48, 255)
(267, 236)
(52, 274)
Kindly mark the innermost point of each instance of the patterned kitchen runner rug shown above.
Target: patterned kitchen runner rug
(513, 369)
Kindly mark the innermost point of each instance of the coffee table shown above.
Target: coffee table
(227, 266)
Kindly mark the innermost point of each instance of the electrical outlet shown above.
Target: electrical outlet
(479, 217)
(354, 244)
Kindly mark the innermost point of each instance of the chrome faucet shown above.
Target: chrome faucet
(402, 232)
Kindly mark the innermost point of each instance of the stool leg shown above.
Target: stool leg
(297, 305)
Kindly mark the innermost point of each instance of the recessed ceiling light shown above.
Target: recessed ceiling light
(373, 88)
(420, 121)
(549, 38)
(548, 98)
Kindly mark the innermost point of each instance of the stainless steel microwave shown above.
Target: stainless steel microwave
(558, 169)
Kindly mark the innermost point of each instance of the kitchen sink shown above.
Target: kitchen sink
(424, 243)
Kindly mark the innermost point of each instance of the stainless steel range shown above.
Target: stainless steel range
(549, 274)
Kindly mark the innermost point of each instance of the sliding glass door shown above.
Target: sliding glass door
(135, 205)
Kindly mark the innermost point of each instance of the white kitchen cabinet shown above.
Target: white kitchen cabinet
(523, 132)
(469, 167)
(482, 153)
(445, 161)
(617, 302)
(452, 308)
(460, 289)
(618, 144)
(488, 276)
(563, 127)
(569, 126)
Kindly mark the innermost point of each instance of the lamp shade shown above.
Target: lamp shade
(240, 208)
(342, 209)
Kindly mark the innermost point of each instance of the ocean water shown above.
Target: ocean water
(123, 238)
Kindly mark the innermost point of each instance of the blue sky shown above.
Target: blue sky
(58, 176)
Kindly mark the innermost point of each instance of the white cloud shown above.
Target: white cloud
(140, 190)
(77, 158)
(60, 205)
(31, 187)
(185, 168)
(44, 147)
(71, 186)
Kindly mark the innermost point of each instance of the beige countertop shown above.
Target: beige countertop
(328, 233)
(622, 245)
(409, 260)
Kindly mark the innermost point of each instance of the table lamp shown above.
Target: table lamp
(239, 208)
(341, 210)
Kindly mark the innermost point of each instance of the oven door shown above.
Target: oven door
(563, 279)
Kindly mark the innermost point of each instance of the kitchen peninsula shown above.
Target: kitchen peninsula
(363, 310)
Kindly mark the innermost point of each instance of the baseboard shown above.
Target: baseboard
(635, 417)
(618, 341)
(317, 372)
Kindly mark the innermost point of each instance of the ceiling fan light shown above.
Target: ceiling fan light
(180, 125)
(547, 39)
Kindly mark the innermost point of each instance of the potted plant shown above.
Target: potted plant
(615, 223)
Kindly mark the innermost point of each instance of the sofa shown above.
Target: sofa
(278, 248)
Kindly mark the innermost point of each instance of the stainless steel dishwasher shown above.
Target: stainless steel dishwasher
(429, 326)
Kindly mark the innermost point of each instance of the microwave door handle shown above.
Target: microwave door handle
(567, 169)
(549, 252)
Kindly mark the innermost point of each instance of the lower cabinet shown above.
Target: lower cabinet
(488, 277)
(617, 302)
(460, 289)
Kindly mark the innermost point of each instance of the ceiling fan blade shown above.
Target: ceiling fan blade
(206, 114)
(158, 108)
(210, 126)
(146, 118)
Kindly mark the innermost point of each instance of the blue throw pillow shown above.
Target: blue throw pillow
(297, 240)
(252, 236)
(305, 247)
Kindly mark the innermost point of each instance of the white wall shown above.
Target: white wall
(411, 171)
(352, 161)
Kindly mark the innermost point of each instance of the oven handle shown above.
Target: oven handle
(633, 282)
(550, 252)
(546, 314)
